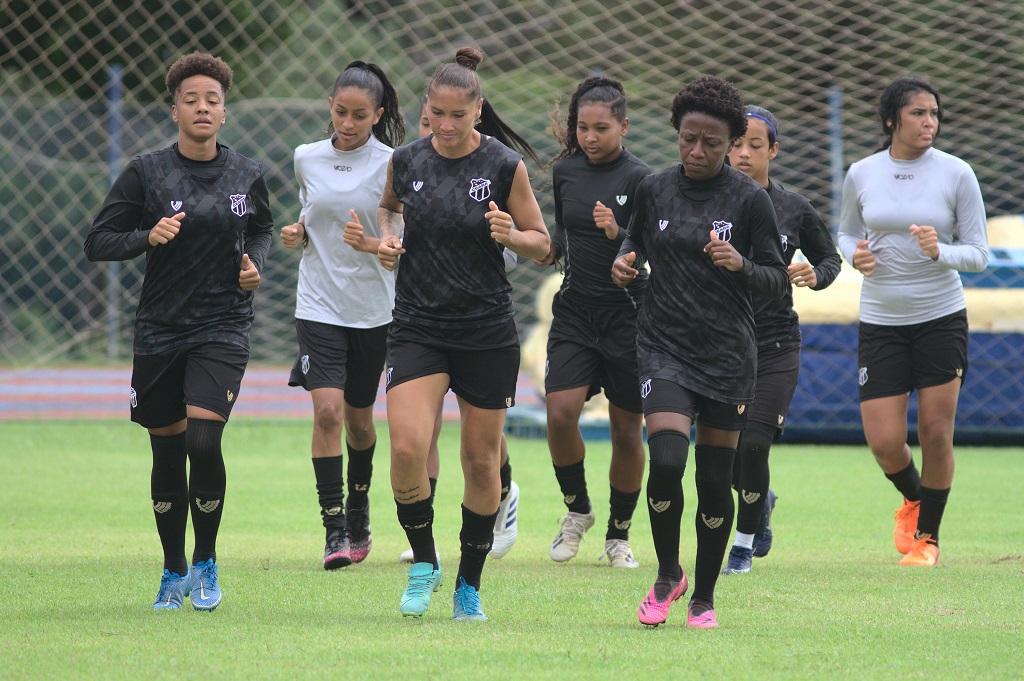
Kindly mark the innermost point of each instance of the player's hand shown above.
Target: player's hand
(354, 235)
(501, 224)
(802, 274)
(548, 259)
(293, 234)
(165, 230)
(723, 254)
(388, 252)
(604, 218)
(927, 239)
(248, 276)
(623, 271)
(864, 259)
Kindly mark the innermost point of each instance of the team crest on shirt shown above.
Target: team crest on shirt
(662, 224)
(175, 206)
(480, 189)
(621, 199)
(723, 230)
(238, 204)
(417, 185)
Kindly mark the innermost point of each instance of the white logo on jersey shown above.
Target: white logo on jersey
(785, 241)
(862, 376)
(305, 364)
(480, 189)
(662, 224)
(175, 206)
(238, 204)
(417, 185)
(621, 199)
(723, 230)
(134, 398)
(645, 388)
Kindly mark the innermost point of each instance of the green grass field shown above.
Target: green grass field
(80, 564)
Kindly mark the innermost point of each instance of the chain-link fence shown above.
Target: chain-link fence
(81, 92)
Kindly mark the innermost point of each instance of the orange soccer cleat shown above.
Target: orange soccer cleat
(906, 525)
(924, 553)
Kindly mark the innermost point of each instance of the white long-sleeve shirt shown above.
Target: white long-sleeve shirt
(882, 198)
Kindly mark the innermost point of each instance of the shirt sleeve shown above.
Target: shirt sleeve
(259, 232)
(115, 232)
(818, 247)
(558, 236)
(970, 254)
(852, 229)
(634, 239)
(764, 273)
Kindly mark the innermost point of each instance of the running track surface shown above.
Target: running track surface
(82, 394)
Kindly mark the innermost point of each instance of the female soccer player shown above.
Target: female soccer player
(200, 213)
(778, 335)
(902, 209)
(457, 193)
(344, 299)
(592, 341)
(710, 234)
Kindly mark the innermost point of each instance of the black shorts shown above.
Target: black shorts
(777, 373)
(482, 363)
(660, 395)
(596, 347)
(206, 375)
(341, 357)
(894, 360)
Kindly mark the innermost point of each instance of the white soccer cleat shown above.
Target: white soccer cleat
(506, 530)
(567, 543)
(406, 556)
(619, 553)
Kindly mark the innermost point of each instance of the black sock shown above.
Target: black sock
(168, 486)
(417, 519)
(330, 490)
(206, 484)
(752, 455)
(572, 480)
(360, 470)
(713, 520)
(475, 539)
(620, 516)
(506, 478)
(668, 451)
(908, 482)
(933, 504)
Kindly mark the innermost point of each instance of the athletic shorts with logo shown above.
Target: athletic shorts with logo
(340, 357)
(894, 360)
(778, 369)
(660, 395)
(205, 375)
(482, 363)
(596, 347)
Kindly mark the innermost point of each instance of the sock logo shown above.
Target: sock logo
(569, 498)
(360, 488)
(862, 376)
(207, 506)
(919, 535)
(480, 547)
(659, 506)
(504, 490)
(713, 523)
(622, 524)
(162, 506)
(333, 510)
(751, 497)
(415, 527)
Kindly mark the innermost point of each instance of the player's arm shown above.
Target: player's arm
(632, 253)
(259, 232)
(820, 250)
(764, 273)
(115, 233)
(530, 237)
(391, 224)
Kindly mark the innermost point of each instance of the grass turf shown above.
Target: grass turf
(80, 564)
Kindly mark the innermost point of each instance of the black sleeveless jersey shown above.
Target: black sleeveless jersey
(190, 292)
(452, 274)
(588, 253)
(800, 227)
(696, 326)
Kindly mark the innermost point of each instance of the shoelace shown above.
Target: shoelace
(469, 600)
(572, 524)
(904, 511)
(420, 585)
(618, 550)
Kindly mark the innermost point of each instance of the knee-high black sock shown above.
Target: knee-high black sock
(668, 450)
(752, 457)
(907, 481)
(715, 509)
(417, 519)
(360, 470)
(330, 490)
(168, 486)
(506, 478)
(206, 484)
(620, 516)
(475, 538)
(572, 480)
(933, 504)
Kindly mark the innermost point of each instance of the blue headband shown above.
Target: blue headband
(774, 131)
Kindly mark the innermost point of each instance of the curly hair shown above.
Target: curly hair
(894, 97)
(593, 89)
(715, 97)
(197, 64)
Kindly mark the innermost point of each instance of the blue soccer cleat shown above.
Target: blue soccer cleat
(173, 589)
(740, 561)
(466, 601)
(763, 536)
(205, 587)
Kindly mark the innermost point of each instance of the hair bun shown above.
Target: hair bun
(469, 57)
